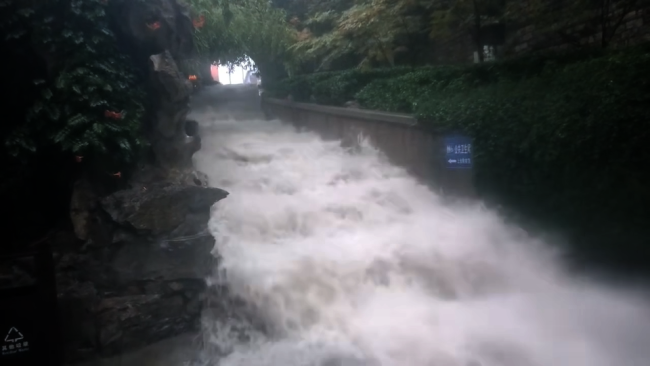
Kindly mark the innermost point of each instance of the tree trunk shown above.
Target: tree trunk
(477, 32)
(271, 72)
(205, 73)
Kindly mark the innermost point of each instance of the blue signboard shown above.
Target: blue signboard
(458, 152)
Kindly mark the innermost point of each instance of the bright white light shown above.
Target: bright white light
(237, 75)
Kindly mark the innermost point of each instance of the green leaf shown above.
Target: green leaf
(61, 82)
(54, 112)
(98, 128)
(38, 106)
(105, 67)
(61, 135)
(26, 12)
(112, 126)
(47, 93)
(77, 119)
(96, 101)
(124, 144)
(15, 35)
(80, 145)
(81, 71)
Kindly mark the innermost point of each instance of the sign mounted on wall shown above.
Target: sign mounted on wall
(458, 152)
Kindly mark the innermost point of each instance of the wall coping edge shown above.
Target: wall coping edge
(397, 118)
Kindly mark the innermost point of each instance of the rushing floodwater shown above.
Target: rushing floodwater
(349, 261)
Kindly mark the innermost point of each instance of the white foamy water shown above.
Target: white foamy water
(349, 261)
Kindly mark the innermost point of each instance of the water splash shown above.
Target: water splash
(346, 260)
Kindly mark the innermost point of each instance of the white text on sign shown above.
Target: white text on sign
(463, 149)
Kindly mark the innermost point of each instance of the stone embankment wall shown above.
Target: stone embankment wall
(400, 137)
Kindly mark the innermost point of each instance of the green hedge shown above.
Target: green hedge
(330, 88)
(337, 88)
(565, 139)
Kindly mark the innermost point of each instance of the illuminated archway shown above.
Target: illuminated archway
(239, 73)
(234, 32)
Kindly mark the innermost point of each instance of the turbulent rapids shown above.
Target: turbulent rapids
(347, 260)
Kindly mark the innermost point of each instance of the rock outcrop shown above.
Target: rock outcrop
(139, 277)
(173, 137)
(135, 273)
(159, 34)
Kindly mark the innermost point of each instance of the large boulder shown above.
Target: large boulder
(162, 208)
(139, 275)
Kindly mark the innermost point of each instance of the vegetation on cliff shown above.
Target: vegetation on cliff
(74, 102)
(89, 101)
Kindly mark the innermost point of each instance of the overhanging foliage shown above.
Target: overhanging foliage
(90, 103)
(234, 30)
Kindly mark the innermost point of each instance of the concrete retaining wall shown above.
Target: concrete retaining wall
(399, 136)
